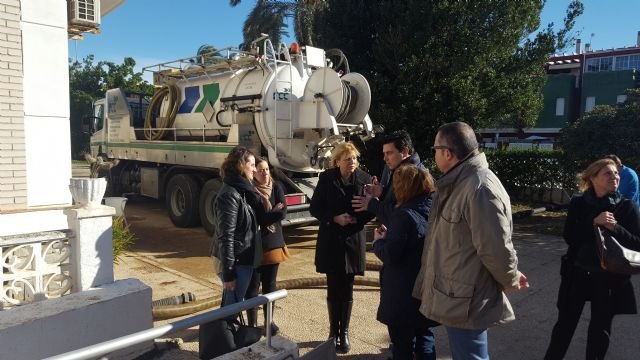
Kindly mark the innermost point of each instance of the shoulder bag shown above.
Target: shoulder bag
(614, 257)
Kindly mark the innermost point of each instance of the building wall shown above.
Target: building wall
(13, 178)
(557, 86)
(35, 164)
(605, 86)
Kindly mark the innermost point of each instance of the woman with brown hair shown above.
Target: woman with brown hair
(582, 278)
(340, 248)
(400, 249)
(271, 194)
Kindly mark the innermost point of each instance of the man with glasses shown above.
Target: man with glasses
(468, 262)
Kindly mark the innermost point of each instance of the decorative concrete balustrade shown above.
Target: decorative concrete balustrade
(63, 279)
(34, 267)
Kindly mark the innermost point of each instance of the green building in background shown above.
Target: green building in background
(575, 84)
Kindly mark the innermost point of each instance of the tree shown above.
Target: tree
(432, 62)
(268, 16)
(88, 81)
(607, 129)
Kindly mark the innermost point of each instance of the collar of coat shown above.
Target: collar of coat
(465, 168)
(361, 178)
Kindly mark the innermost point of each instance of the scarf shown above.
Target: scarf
(606, 203)
(265, 190)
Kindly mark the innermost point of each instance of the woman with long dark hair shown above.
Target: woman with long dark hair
(236, 247)
(582, 278)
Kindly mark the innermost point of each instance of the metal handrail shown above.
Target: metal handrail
(123, 342)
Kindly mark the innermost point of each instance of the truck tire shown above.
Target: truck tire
(207, 196)
(183, 194)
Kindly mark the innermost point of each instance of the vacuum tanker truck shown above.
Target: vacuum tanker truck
(291, 105)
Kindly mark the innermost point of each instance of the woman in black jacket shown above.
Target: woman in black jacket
(271, 195)
(400, 249)
(582, 277)
(236, 247)
(340, 248)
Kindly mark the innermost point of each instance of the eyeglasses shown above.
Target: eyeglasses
(439, 147)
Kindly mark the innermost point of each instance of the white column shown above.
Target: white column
(92, 246)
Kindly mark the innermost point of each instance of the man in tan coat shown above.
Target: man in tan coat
(469, 261)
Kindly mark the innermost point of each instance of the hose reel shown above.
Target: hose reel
(171, 92)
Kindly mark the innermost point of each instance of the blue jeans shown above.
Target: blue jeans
(243, 278)
(468, 343)
(407, 341)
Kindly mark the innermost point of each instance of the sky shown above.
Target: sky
(156, 31)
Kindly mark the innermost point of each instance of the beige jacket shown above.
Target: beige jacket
(468, 256)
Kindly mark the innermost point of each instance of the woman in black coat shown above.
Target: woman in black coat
(271, 195)
(340, 248)
(582, 277)
(400, 249)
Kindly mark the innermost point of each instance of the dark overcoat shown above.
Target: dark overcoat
(339, 249)
(582, 253)
(401, 251)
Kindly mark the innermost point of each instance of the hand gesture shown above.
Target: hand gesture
(279, 206)
(344, 219)
(374, 189)
(361, 203)
(379, 232)
(606, 220)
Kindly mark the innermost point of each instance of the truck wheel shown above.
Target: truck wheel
(182, 195)
(207, 196)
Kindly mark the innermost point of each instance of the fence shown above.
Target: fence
(123, 342)
(35, 267)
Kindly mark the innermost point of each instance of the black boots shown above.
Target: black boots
(334, 320)
(339, 317)
(252, 317)
(345, 317)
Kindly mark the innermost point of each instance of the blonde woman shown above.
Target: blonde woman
(340, 248)
(582, 278)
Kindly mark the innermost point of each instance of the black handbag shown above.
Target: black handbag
(614, 257)
(223, 336)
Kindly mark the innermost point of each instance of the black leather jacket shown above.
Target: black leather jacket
(236, 226)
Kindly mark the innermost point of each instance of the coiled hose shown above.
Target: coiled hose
(165, 312)
(172, 92)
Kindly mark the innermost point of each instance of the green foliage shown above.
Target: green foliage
(268, 16)
(521, 171)
(122, 237)
(88, 81)
(433, 62)
(608, 129)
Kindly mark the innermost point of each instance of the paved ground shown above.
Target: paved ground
(172, 261)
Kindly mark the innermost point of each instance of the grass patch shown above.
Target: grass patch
(547, 222)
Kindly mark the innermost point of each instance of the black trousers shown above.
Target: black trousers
(575, 290)
(340, 287)
(265, 274)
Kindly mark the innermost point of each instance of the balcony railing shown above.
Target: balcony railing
(35, 267)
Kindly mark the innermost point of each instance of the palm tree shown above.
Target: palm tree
(268, 17)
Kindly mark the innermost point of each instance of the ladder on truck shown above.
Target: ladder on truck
(287, 86)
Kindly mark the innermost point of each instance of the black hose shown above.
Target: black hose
(173, 311)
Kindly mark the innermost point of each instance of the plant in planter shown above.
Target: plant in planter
(122, 237)
(88, 192)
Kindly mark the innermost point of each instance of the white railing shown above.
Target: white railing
(34, 267)
(94, 351)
